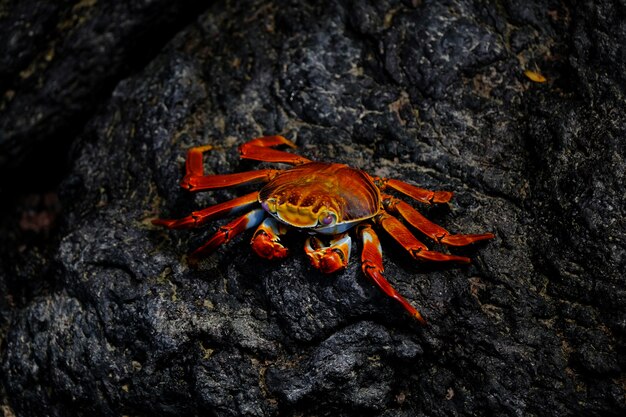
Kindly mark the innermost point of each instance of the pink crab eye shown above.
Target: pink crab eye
(327, 219)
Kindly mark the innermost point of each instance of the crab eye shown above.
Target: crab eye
(269, 205)
(327, 218)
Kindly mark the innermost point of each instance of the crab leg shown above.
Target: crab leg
(227, 232)
(331, 258)
(266, 239)
(195, 180)
(213, 182)
(430, 229)
(372, 265)
(200, 217)
(420, 194)
(416, 249)
(259, 149)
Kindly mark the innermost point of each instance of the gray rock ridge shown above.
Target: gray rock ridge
(428, 92)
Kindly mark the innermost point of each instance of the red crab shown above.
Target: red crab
(319, 198)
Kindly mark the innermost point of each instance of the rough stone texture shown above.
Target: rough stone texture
(430, 92)
(59, 60)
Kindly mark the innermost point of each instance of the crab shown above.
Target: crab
(325, 200)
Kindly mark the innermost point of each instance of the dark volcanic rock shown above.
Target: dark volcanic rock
(428, 92)
(60, 59)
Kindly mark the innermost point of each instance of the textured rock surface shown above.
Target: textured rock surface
(59, 60)
(429, 92)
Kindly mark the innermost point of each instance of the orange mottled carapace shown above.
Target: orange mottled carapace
(306, 193)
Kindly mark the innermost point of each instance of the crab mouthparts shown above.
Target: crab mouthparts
(295, 216)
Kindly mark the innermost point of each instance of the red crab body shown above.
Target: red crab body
(322, 199)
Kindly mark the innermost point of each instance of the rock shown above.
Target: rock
(59, 60)
(428, 92)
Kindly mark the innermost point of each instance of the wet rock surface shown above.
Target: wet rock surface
(115, 321)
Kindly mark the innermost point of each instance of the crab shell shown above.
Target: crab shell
(321, 197)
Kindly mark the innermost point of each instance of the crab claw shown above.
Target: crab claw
(327, 260)
(266, 240)
(266, 247)
(332, 258)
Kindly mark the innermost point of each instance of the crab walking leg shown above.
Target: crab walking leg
(200, 217)
(266, 239)
(213, 182)
(416, 249)
(194, 166)
(227, 232)
(331, 258)
(259, 149)
(430, 229)
(416, 193)
(372, 265)
(195, 180)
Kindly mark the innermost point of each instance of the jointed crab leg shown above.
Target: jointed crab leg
(266, 239)
(416, 193)
(200, 217)
(416, 249)
(195, 180)
(213, 182)
(372, 265)
(227, 232)
(194, 166)
(430, 229)
(259, 149)
(331, 258)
